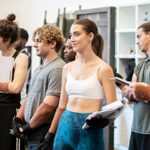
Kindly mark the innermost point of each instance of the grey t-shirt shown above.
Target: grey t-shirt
(45, 81)
(141, 118)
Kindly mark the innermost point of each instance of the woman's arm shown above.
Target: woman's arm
(20, 74)
(62, 103)
(105, 74)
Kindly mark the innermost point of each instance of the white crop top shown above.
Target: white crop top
(89, 88)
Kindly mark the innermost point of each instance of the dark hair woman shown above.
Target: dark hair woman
(10, 90)
(85, 82)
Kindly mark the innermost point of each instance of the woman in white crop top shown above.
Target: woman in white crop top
(85, 82)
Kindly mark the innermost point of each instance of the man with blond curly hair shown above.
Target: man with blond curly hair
(35, 115)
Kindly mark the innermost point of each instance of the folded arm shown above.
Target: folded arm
(141, 91)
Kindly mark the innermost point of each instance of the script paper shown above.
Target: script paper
(110, 111)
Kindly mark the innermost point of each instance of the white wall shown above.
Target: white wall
(30, 13)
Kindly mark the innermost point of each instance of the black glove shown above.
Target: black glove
(26, 129)
(97, 122)
(16, 124)
(48, 142)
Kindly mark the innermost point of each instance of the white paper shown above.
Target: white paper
(110, 111)
(6, 67)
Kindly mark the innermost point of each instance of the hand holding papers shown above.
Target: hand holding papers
(96, 122)
(104, 117)
(121, 81)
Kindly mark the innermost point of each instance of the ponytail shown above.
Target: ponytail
(98, 45)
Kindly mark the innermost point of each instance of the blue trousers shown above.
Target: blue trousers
(36, 136)
(70, 136)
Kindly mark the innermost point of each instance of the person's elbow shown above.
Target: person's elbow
(14, 88)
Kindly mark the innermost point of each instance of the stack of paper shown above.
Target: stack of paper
(110, 111)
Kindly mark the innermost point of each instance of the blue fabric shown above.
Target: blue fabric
(36, 136)
(70, 136)
(34, 143)
(33, 146)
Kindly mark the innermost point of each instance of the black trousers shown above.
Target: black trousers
(22, 144)
(7, 141)
(139, 141)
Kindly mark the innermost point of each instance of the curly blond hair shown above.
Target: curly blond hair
(51, 33)
(36, 32)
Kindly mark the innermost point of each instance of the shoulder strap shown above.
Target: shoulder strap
(25, 52)
(15, 54)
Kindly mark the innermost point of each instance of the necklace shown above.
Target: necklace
(52, 60)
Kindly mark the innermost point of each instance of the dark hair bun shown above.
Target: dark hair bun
(11, 17)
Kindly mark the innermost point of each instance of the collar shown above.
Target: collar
(147, 59)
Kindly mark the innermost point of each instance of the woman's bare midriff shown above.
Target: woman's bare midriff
(83, 105)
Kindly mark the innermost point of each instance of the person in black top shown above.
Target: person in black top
(22, 40)
(10, 91)
(20, 46)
